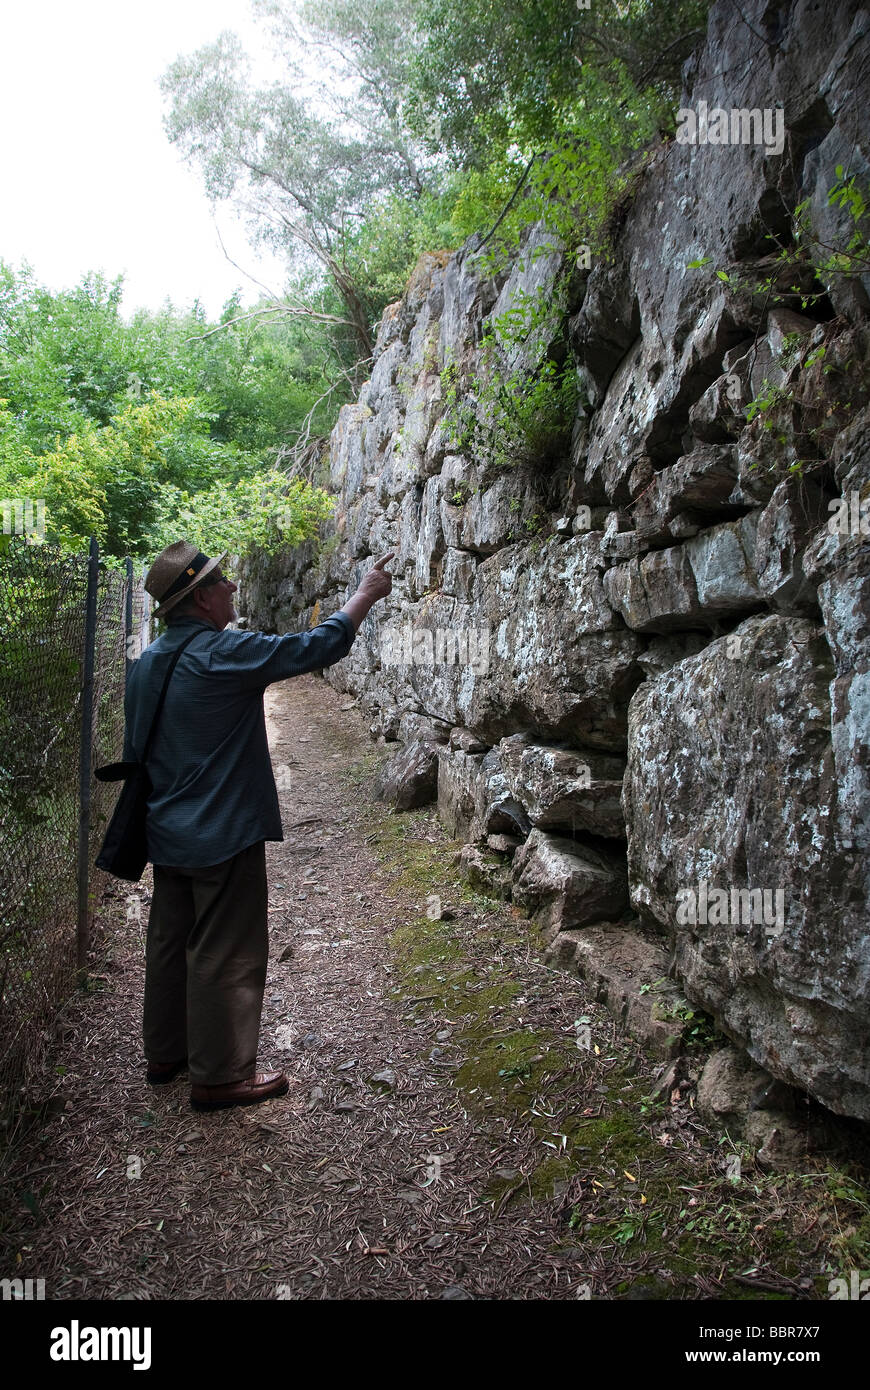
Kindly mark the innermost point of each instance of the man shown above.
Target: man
(212, 807)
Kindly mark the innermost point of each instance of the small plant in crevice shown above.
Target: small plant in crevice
(507, 419)
(698, 1028)
(805, 257)
(852, 259)
(516, 407)
(794, 425)
(790, 413)
(780, 408)
(461, 494)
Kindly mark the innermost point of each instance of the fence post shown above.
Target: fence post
(145, 629)
(83, 922)
(128, 621)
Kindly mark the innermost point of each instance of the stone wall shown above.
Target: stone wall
(661, 686)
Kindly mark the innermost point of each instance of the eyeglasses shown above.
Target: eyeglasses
(215, 578)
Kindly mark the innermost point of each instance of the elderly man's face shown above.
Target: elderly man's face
(215, 601)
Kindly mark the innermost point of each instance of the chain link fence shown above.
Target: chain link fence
(65, 640)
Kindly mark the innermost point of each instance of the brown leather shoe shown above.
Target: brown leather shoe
(263, 1086)
(159, 1073)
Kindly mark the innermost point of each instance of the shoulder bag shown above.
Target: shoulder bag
(125, 847)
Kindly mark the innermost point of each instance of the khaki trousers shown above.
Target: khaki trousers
(206, 952)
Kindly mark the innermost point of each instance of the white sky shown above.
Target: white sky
(89, 180)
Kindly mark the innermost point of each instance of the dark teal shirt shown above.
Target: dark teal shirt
(214, 791)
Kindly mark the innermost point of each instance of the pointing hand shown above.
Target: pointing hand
(377, 583)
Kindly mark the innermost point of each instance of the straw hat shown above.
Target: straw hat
(177, 570)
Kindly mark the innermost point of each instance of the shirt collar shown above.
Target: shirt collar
(188, 622)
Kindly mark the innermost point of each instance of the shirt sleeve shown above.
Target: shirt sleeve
(258, 659)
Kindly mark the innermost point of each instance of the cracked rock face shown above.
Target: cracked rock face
(635, 672)
(731, 785)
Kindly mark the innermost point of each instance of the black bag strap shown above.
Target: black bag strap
(166, 679)
(119, 772)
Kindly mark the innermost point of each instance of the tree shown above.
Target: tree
(503, 72)
(547, 108)
(124, 429)
(62, 356)
(309, 158)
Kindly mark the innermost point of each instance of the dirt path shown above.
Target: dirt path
(445, 1134)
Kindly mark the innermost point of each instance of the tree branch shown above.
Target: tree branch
(506, 209)
(285, 310)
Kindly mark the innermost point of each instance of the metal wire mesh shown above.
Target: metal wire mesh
(42, 643)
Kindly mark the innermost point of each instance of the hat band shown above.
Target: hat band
(187, 574)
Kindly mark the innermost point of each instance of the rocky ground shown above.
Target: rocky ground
(464, 1122)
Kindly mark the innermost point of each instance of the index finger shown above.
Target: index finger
(379, 564)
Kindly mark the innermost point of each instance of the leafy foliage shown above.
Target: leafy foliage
(545, 87)
(499, 74)
(129, 431)
(263, 511)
